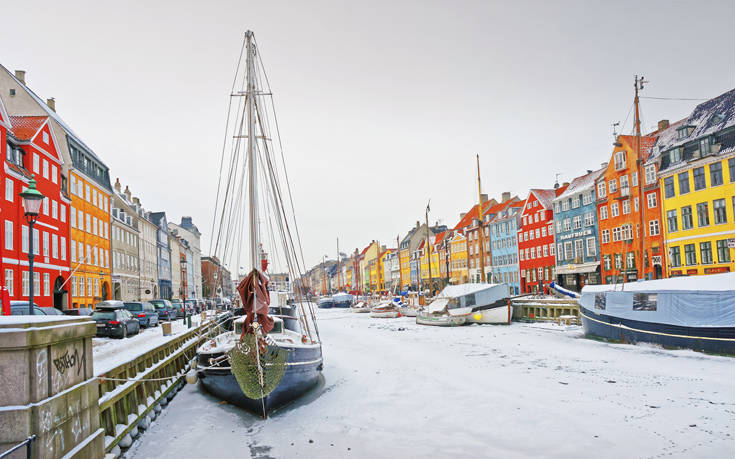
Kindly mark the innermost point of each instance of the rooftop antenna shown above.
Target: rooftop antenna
(556, 180)
(615, 130)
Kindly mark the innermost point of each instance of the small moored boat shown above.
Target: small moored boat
(360, 306)
(386, 310)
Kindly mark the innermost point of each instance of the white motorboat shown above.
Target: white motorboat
(385, 310)
(360, 307)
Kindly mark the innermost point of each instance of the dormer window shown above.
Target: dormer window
(705, 146)
(683, 132)
(675, 155)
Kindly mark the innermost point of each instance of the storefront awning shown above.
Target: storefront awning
(581, 268)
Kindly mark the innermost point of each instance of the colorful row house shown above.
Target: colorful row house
(504, 246)
(575, 232)
(696, 165)
(536, 244)
(31, 153)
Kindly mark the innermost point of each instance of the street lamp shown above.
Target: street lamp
(187, 318)
(32, 199)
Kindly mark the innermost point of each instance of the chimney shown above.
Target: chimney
(565, 184)
(127, 193)
(51, 104)
(136, 201)
(21, 75)
(589, 171)
(663, 124)
(483, 197)
(117, 184)
(505, 196)
(417, 224)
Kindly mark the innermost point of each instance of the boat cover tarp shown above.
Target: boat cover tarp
(697, 301)
(341, 297)
(255, 298)
(563, 291)
(438, 305)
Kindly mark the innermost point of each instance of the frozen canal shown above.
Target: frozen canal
(396, 389)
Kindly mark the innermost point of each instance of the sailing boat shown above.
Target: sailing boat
(262, 363)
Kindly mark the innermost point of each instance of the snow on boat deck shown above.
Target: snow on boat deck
(396, 389)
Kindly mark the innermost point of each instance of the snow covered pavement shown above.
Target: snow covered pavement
(111, 352)
(396, 389)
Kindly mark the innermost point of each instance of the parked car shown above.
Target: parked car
(20, 308)
(79, 312)
(179, 306)
(143, 311)
(193, 306)
(165, 309)
(114, 320)
(51, 311)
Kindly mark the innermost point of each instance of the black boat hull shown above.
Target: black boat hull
(305, 365)
(719, 340)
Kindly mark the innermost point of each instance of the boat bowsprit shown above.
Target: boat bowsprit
(695, 312)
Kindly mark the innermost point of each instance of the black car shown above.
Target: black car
(20, 308)
(115, 321)
(79, 312)
(51, 311)
(143, 311)
(165, 309)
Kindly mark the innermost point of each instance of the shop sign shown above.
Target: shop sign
(731, 243)
(585, 232)
(656, 260)
(717, 270)
(692, 272)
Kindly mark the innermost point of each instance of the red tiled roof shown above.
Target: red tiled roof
(26, 127)
(472, 215)
(439, 237)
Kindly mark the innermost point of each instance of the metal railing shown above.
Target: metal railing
(28, 443)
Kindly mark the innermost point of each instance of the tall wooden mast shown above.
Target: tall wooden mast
(400, 271)
(252, 157)
(479, 220)
(639, 167)
(428, 244)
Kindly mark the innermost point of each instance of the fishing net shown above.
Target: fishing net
(244, 365)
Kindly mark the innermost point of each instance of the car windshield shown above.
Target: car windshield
(103, 315)
(133, 306)
(158, 304)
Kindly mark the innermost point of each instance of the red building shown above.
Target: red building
(536, 253)
(30, 151)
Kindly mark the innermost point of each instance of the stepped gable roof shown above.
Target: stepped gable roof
(581, 183)
(26, 127)
(55, 116)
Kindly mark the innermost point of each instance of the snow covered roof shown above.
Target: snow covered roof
(545, 197)
(453, 291)
(713, 283)
(26, 127)
(580, 184)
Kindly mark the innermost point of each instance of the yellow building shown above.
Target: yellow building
(425, 262)
(698, 191)
(381, 271)
(369, 266)
(404, 258)
(458, 270)
(90, 231)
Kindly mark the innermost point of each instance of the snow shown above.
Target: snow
(396, 389)
(724, 282)
(112, 352)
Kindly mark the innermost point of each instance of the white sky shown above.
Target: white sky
(382, 105)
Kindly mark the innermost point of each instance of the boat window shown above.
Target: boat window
(469, 300)
(645, 301)
(600, 301)
(453, 303)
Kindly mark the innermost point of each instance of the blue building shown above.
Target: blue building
(164, 254)
(576, 233)
(504, 246)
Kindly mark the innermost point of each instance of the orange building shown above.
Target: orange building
(619, 214)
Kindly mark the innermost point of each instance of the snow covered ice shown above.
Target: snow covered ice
(396, 389)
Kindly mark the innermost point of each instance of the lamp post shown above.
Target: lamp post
(187, 317)
(32, 199)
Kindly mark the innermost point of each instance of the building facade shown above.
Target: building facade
(125, 243)
(575, 231)
(696, 160)
(163, 254)
(504, 246)
(187, 230)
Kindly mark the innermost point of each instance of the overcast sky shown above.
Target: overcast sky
(382, 105)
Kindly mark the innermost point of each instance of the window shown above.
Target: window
(631, 260)
(87, 192)
(723, 252)
(543, 233)
(715, 174)
(653, 228)
(9, 281)
(650, 174)
(690, 255)
(533, 253)
(731, 165)
(55, 246)
(705, 252)
(684, 182)
(46, 244)
(591, 247)
(601, 190)
(46, 284)
(612, 185)
(624, 183)
(603, 213)
(616, 234)
(561, 252)
(589, 219)
(651, 200)
(62, 209)
(9, 189)
(24, 239)
(556, 207)
(614, 210)
(89, 287)
(567, 224)
(577, 222)
(54, 173)
(9, 234)
(626, 207)
(587, 198)
(674, 155)
(605, 236)
(672, 221)
(699, 182)
(565, 205)
(37, 283)
(45, 170)
(703, 214)
(575, 202)
(26, 287)
(687, 222)
(73, 251)
(36, 164)
(546, 251)
(54, 210)
(619, 158)
(579, 248)
(88, 226)
(618, 261)
(607, 262)
(45, 206)
(634, 178)
(63, 247)
(720, 211)
(36, 242)
(675, 256)
(669, 187)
